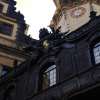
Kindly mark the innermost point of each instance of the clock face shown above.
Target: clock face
(77, 12)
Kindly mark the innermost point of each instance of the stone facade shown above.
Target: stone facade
(77, 71)
(72, 14)
(62, 66)
(12, 36)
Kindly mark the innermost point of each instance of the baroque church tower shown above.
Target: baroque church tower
(72, 14)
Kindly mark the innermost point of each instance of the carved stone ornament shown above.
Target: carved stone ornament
(78, 12)
(45, 44)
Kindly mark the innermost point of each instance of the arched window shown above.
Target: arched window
(49, 76)
(96, 52)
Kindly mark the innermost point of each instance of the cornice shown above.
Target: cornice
(14, 51)
(6, 1)
(90, 27)
(8, 18)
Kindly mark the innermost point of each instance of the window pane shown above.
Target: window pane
(5, 28)
(97, 53)
(49, 77)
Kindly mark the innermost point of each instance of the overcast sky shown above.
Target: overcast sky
(38, 14)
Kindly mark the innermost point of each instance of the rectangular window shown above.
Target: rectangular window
(1, 8)
(4, 70)
(6, 28)
(96, 51)
(49, 77)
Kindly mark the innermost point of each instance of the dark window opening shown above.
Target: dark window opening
(4, 70)
(6, 28)
(1, 8)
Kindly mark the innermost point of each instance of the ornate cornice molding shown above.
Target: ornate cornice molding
(90, 27)
(8, 18)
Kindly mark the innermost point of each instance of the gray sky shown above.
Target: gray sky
(38, 14)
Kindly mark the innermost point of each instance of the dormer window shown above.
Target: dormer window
(96, 51)
(1, 8)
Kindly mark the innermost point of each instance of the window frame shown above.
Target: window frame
(45, 67)
(95, 58)
(9, 26)
(92, 43)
